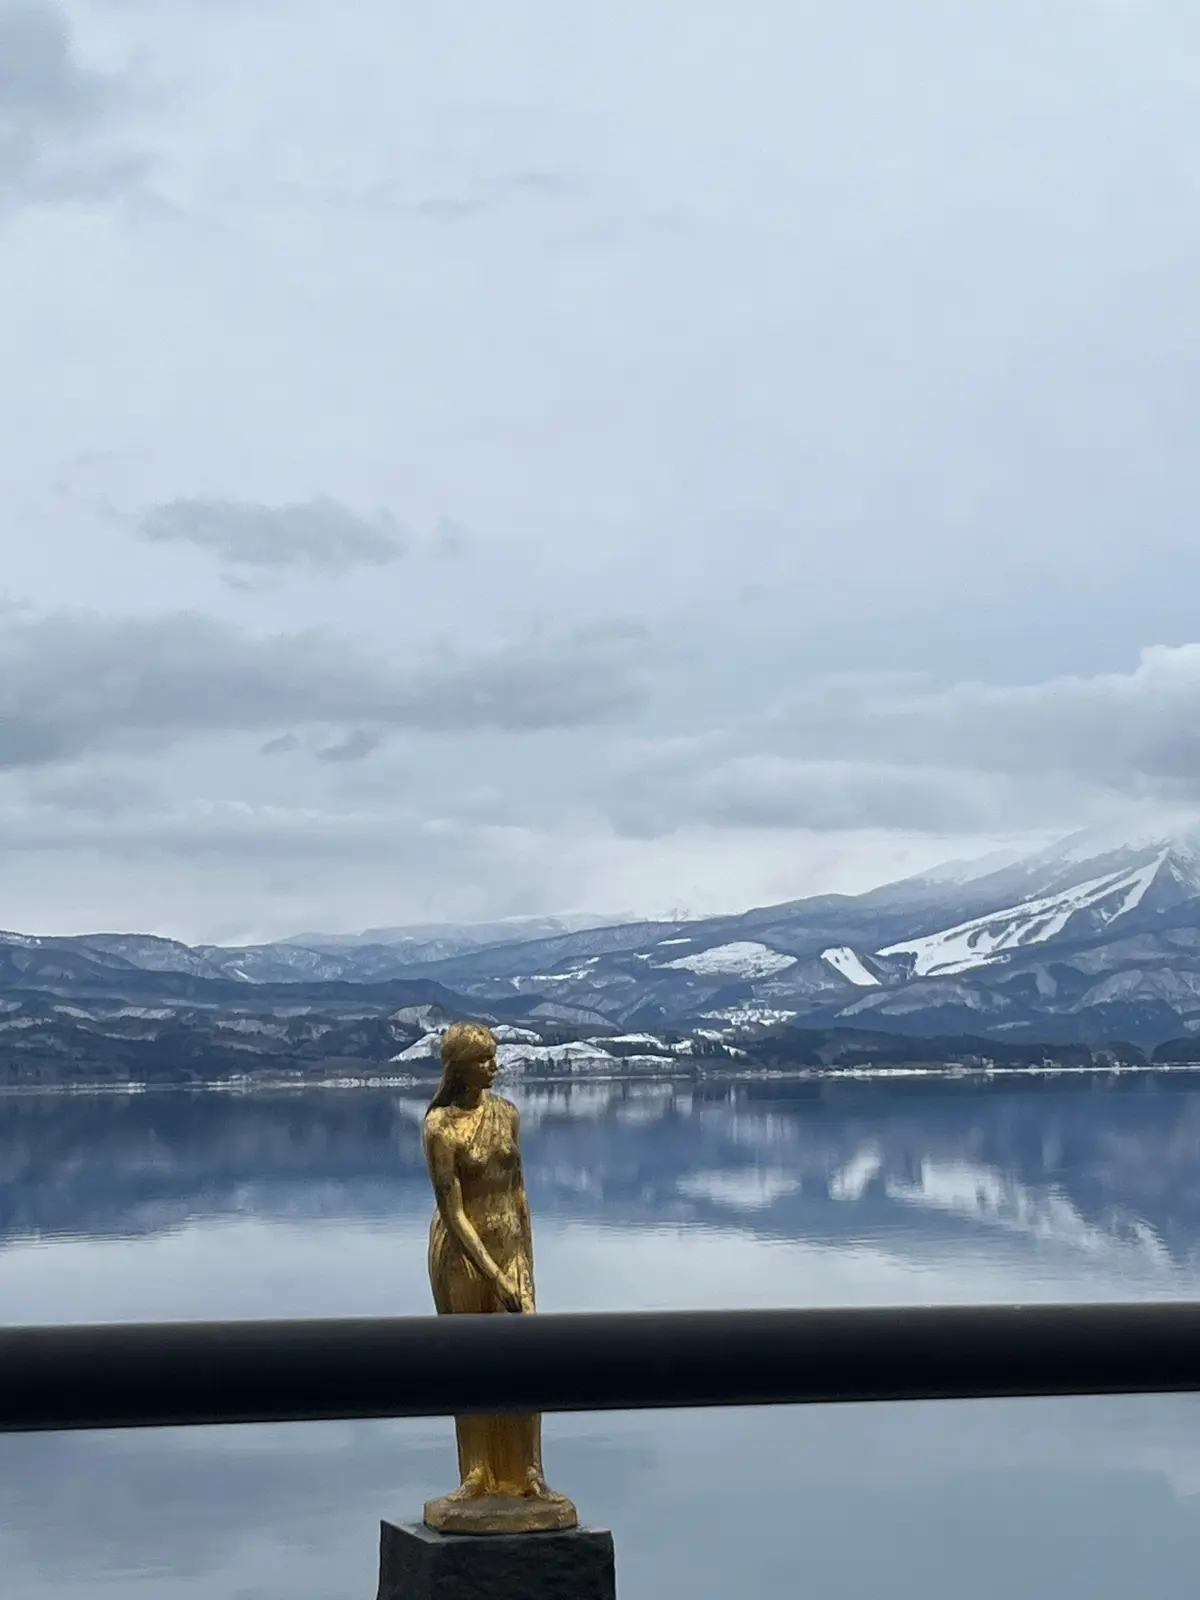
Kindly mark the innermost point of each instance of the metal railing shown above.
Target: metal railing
(173, 1374)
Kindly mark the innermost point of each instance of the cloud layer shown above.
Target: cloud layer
(860, 779)
(316, 535)
(75, 682)
(852, 353)
(51, 110)
(903, 753)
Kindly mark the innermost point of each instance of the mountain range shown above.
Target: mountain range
(1088, 942)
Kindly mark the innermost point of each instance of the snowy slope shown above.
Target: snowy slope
(985, 939)
(742, 959)
(844, 960)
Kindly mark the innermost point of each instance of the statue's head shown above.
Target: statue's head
(468, 1061)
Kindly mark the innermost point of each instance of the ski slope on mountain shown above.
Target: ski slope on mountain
(985, 939)
(846, 961)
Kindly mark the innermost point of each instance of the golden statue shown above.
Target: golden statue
(481, 1259)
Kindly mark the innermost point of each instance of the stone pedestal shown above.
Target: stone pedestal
(418, 1563)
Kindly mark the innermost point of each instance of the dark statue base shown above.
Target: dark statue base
(418, 1563)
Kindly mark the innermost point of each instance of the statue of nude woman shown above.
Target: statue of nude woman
(481, 1260)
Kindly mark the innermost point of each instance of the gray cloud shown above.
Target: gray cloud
(295, 855)
(844, 763)
(51, 109)
(354, 747)
(76, 682)
(39, 76)
(898, 752)
(231, 831)
(773, 793)
(96, 794)
(318, 535)
(1129, 731)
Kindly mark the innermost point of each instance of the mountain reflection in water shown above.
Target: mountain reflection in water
(738, 1194)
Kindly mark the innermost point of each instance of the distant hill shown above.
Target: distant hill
(1090, 942)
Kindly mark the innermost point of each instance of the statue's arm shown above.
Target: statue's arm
(447, 1192)
(519, 1186)
(522, 1199)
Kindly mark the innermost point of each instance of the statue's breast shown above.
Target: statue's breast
(486, 1151)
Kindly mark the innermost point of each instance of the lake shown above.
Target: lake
(644, 1196)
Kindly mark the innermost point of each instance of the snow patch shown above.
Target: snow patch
(420, 1016)
(575, 975)
(506, 1033)
(749, 1013)
(577, 1053)
(844, 960)
(742, 959)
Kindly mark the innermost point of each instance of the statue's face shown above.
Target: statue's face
(483, 1070)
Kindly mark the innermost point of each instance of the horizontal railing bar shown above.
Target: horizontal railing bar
(203, 1373)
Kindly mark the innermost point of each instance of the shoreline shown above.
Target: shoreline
(213, 1086)
(951, 1073)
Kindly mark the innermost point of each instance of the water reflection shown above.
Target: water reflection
(213, 1205)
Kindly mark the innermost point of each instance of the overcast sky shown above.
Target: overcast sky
(465, 460)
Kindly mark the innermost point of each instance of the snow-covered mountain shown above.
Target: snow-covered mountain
(1089, 906)
(1090, 941)
(1085, 940)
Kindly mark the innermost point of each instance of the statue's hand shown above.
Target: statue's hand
(508, 1292)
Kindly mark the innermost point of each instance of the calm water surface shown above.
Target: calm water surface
(317, 1204)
